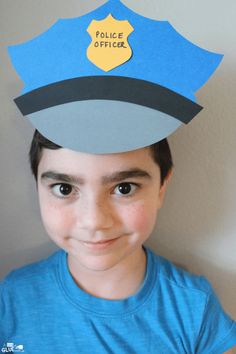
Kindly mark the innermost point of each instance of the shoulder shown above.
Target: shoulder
(27, 276)
(176, 277)
(25, 291)
(188, 302)
(180, 289)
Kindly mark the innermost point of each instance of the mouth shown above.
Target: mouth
(99, 245)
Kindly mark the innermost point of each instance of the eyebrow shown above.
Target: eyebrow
(62, 177)
(114, 177)
(122, 175)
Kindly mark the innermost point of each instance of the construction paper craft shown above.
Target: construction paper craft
(108, 134)
(110, 47)
(109, 88)
(111, 80)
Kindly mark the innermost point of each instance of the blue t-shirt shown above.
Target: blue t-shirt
(42, 310)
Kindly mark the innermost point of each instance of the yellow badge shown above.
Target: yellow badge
(109, 47)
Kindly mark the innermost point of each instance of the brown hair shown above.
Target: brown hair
(160, 151)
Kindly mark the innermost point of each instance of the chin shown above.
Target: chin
(95, 263)
(99, 264)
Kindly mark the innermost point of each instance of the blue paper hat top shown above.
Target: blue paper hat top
(111, 80)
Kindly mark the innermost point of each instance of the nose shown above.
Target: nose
(97, 215)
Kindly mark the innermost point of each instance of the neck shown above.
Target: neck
(119, 282)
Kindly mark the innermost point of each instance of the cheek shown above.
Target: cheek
(56, 219)
(141, 217)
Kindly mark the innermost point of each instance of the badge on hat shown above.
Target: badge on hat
(109, 47)
(110, 81)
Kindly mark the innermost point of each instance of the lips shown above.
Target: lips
(99, 245)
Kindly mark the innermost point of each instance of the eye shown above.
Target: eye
(125, 188)
(62, 189)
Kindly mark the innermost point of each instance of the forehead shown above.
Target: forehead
(73, 162)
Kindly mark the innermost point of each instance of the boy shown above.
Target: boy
(106, 293)
(99, 201)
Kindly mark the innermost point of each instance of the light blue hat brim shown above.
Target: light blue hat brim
(136, 127)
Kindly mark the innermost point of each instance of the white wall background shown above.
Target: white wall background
(197, 226)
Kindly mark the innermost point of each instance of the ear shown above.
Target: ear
(163, 187)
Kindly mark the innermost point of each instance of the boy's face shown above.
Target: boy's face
(99, 208)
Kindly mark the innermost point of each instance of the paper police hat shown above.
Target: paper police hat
(111, 80)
